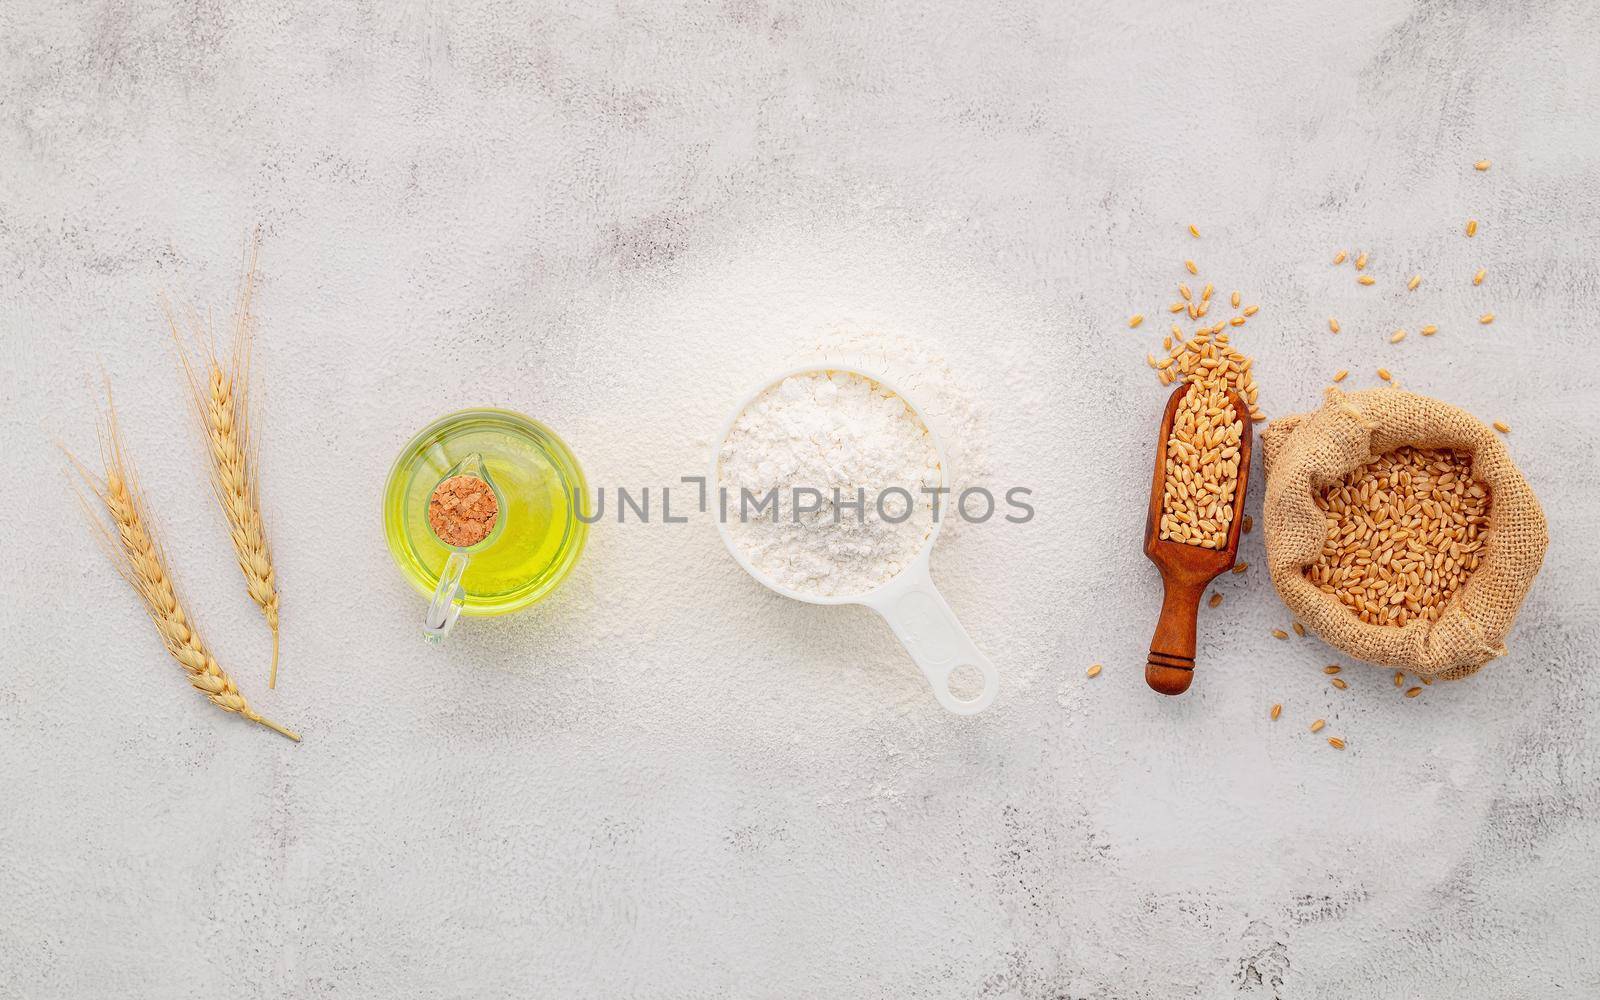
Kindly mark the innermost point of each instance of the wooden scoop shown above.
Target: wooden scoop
(1186, 569)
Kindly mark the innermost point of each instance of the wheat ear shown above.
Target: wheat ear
(221, 396)
(143, 564)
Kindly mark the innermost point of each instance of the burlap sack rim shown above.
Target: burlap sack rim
(1457, 644)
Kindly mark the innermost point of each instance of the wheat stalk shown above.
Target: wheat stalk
(222, 401)
(141, 561)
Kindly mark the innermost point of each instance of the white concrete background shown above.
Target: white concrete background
(666, 782)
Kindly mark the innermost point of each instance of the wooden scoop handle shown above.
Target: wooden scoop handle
(1170, 668)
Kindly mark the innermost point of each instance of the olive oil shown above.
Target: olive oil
(540, 537)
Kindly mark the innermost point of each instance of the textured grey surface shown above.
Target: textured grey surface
(666, 782)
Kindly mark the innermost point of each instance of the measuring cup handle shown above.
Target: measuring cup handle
(447, 597)
(926, 626)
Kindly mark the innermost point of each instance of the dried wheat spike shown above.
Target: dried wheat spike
(141, 561)
(221, 395)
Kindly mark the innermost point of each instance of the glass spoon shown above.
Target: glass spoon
(449, 595)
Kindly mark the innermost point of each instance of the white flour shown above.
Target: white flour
(950, 404)
(829, 432)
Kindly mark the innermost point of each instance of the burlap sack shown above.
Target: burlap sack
(1306, 453)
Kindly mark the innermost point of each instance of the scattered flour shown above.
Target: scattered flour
(830, 431)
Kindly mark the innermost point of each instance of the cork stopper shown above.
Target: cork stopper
(462, 511)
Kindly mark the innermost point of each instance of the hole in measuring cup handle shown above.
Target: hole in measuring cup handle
(965, 682)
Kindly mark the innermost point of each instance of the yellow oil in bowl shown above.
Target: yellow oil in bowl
(540, 538)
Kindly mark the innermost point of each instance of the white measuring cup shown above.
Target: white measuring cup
(915, 610)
